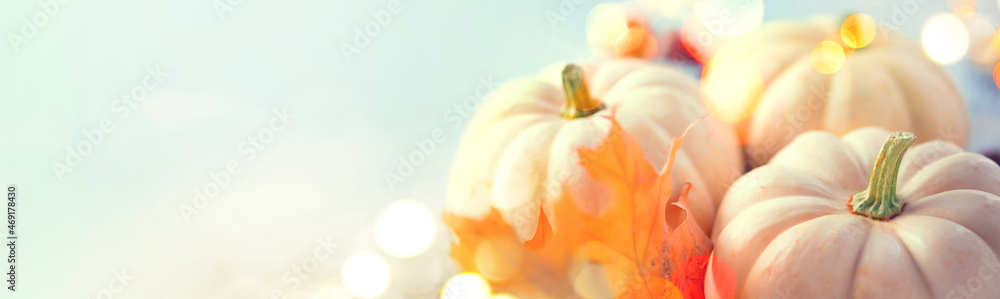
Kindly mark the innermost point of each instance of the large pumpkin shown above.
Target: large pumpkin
(840, 218)
(520, 155)
(767, 85)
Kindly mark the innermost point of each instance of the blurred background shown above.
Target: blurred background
(245, 148)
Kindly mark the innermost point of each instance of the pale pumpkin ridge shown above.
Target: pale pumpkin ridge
(793, 223)
(921, 204)
(602, 75)
(768, 43)
(934, 150)
(969, 229)
(905, 94)
(943, 80)
(501, 127)
(781, 72)
(824, 194)
(788, 103)
(943, 83)
(536, 97)
(893, 95)
(920, 270)
(778, 235)
(516, 149)
(995, 254)
(623, 83)
(906, 97)
(860, 255)
(946, 166)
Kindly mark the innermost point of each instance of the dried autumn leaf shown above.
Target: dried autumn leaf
(646, 243)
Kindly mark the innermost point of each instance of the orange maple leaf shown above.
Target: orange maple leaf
(647, 244)
(644, 241)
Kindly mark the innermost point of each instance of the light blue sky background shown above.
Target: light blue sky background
(321, 177)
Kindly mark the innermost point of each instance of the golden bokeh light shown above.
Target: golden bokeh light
(731, 87)
(405, 228)
(827, 57)
(945, 38)
(466, 286)
(366, 274)
(858, 30)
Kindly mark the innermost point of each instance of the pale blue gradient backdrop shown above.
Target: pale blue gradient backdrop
(320, 177)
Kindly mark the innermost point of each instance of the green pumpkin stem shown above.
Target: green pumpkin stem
(879, 201)
(578, 101)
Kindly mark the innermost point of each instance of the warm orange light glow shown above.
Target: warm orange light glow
(635, 41)
(996, 75)
(827, 57)
(858, 30)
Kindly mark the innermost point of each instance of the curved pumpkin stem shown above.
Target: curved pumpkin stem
(578, 101)
(879, 201)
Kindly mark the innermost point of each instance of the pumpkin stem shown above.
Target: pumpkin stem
(879, 201)
(578, 101)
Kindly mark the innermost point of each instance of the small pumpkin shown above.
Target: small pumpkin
(819, 221)
(767, 86)
(520, 152)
